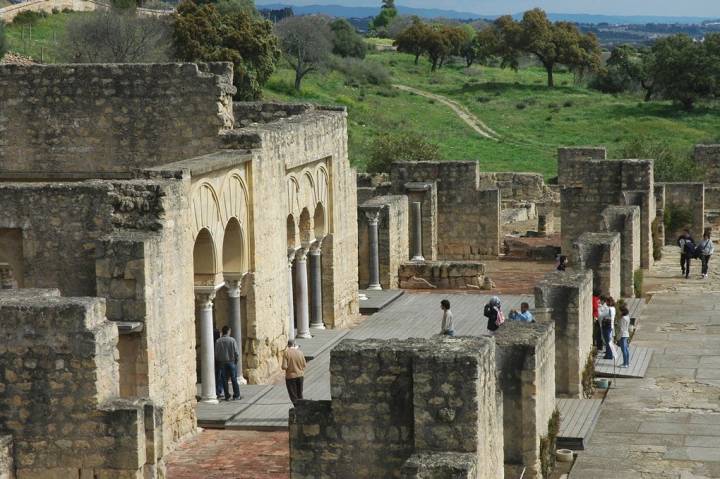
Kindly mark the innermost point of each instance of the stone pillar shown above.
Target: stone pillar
(417, 231)
(291, 300)
(316, 318)
(235, 315)
(373, 218)
(204, 299)
(301, 295)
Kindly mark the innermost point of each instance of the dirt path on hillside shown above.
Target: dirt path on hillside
(470, 119)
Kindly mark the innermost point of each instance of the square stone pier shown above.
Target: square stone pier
(601, 253)
(525, 362)
(411, 408)
(567, 296)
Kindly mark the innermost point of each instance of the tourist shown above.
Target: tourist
(607, 317)
(294, 366)
(597, 334)
(705, 249)
(562, 263)
(687, 250)
(447, 327)
(493, 312)
(625, 335)
(227, 354)
(524, 315)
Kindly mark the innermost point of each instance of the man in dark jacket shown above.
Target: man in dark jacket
(227, 354)
(687, 250)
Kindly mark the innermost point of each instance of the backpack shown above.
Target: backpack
(500, 318)
(690, 249)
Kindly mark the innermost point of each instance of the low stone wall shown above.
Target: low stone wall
(565, 298)
(685, 201)
(525, 362)
(580, 153)
(7, 465)
(601, 254)
(626, 221)
(518, 186)
(442, 275)
(403, 409)
(535, 248)
(249, 112)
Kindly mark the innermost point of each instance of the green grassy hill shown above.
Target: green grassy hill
(41, 40)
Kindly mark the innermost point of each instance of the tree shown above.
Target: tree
(485, 44)
(634, 65)
(387, 13)
(390, 147)
(346, 41)
(552, 43)
(683, 70)
(116, 36)
(202, 33)
(437, 46)
(3, 42)
(412, 39)
(399, 24)
(306, 43)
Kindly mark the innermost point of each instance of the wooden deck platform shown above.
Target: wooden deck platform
(577, 422)
(372, 301)
(639, 362)
(322, 339)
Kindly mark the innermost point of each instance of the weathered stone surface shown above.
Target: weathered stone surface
(393, 239)
(442, 274)
(7, 466)
(626, 221)
(601, 254)
(686, 201)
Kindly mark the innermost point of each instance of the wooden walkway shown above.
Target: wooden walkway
(412, 315)
(322, 339)
(577, 422)
(639, 361)
(372, 301)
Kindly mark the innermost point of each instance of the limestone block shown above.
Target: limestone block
(626, 221)
(601, 254)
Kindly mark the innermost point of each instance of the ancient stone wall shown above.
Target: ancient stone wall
(7, 464)
(525, 362)
(707, 158)
(686, 203)
(601, 254)
(518, 186)
(468, 225)
(393, 247)
(60, 399)
(74, 120)
(589, 186)
(567, 297)
(442, 275)
(402, 408)
(626, 221)
(581, 153)
(249, 112)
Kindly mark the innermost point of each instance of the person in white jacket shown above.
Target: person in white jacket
(607, 321)
(706, 248)
(625, 336)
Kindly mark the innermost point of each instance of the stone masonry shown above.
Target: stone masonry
(707, 158)
(413, 409)
(601, 254)
(442, 275)
(567, 297)
(686, 201)
(626, 221)
(525, 362)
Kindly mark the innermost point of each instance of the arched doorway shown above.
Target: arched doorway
(233, 270)
(204, 273)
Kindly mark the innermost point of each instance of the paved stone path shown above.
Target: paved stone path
(666, 425)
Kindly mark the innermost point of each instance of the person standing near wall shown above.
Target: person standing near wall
(493, 312)
(597, 334)
(625, 336)
(448, 326)
(294, 366)
(562, 263)
(524, 315)
(687, 248)
(227, 354)
(705, 250)
(608, 325)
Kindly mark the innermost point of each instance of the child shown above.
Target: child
(625, 336)
(448, 327)
(524, 315)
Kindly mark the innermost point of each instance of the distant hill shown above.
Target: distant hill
(362, 12)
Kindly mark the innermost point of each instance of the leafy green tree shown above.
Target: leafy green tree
(387, 13)
(202, 33)
(390, 147)
(670, 164)
(684, 70)
(346, 41)
(3, 41)
(634, 65)
(552, 43)
(437, 46)
(412, 39)
(485, 44)
(306, 43)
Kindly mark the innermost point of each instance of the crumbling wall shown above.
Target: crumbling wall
(581, 153)
(442, 275)
(600, 253)
(525, 362)
(686, 203)
(567, 297)
(249, 112)
(518, 186)
(73, 120)
(393, 247)
(626, 221)
(395, 399)
(60, 396)
(468, 226)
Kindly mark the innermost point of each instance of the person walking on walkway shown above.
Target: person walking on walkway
(524, 315)
(227, 354)
(448, 326)
(493, 312)
(625, 336)
(294, 366)
(608, 326)
(687, 249)
(705, 248)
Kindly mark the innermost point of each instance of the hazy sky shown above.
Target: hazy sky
(694, 8)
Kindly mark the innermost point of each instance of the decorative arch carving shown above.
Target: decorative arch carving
(206, 211)
(293, 192)
(322, 186)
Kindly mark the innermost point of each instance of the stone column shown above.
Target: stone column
(316, 318)
(417, 231)
(301, 295)
(291, 300)
(204, 299)
(373, 218)
(235, 315)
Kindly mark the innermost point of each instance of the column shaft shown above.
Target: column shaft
(236, 322)
(291, 302)
(207, 348)
(316, 318)
(417, 231)
(301, 296)
(374, 266)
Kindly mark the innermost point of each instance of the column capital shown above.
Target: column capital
(301, 255)
(373, 216)
(233, 287)
(315, 248)
(204, 296)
